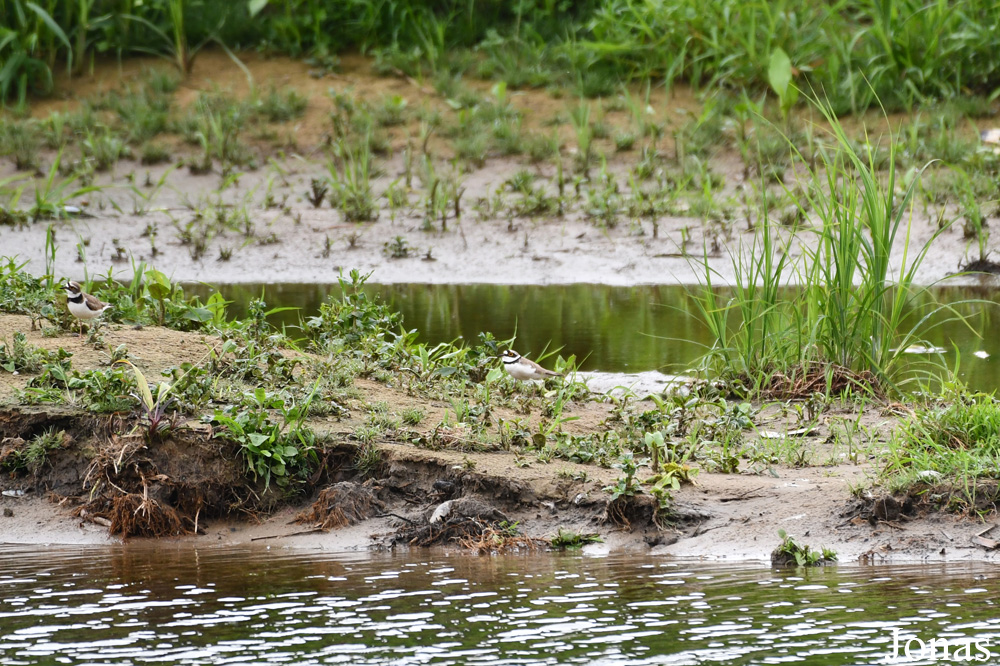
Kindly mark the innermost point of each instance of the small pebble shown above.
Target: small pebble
(8, 512)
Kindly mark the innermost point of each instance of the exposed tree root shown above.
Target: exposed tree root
(341, 504)
(626, 511)
(134, 515)
(482, 537)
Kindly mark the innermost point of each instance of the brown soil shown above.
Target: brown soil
(107, 481)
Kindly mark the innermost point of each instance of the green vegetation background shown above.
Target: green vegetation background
(851, 51)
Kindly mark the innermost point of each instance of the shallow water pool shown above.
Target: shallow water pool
(612, 329)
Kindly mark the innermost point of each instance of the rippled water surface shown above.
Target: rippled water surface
(164, 603)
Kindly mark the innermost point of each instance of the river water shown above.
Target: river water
(172, 603)
(617, 329)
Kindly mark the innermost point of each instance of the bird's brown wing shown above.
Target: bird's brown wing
(542, 370)
(93, 303)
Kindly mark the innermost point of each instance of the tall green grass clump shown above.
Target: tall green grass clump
(851, 319)
(855, 303)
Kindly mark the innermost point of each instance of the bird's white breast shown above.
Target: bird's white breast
(81, 310)
(521, 371)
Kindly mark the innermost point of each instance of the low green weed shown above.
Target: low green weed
(351, 171)
(353, 320)
(105, 390)
(33, 455)
(191, 386)
(569, 540)
(953, 444)
(368, 458)
(280, 107)
(52, 194)
(21, 142)
(271, 433)
(603, 449)
(20, 356)
(790, 551)
(55, 373)
(103, 149)
(158, 418)
(626, 485)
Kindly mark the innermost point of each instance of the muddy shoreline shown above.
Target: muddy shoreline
(255, 222)
(725, 518)
(309, 245)
(202, 481)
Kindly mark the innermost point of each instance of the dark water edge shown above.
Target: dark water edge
(174, 604)
(613, 329)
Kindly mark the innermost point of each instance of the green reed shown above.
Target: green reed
(854, 311)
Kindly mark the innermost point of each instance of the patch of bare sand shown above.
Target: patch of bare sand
(812, 504)
(315, 245)
(151, 349)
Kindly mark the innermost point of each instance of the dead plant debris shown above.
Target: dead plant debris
(479, 536)
(134, 515)
(342, 504)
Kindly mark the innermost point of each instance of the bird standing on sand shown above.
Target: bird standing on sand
(521, 368)
(83, 306)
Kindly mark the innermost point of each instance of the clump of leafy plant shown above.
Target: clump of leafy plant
(105, 390)
(157, 416)
(967, 421)
(252, 350)
(21, 292)
(279, 107)
(626, 485)
(192, 386)
(101, 390)
(270, 429)
(397, 248)
(20, 356)
(353, 320)
(368, 458)
(33, 454)
(350, 178)
(958, 439)
(569, 540)
(173, 308)
(412, 416)
(590, 449)
(21, 141)
(792, 552)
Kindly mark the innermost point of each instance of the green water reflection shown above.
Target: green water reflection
(614, 329)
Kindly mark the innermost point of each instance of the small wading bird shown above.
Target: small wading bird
(83, 306)
(521, 368)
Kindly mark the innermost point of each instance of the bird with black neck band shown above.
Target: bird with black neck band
(83, 306)
(523, 369)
